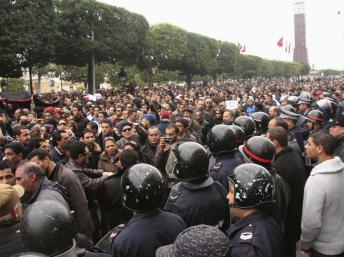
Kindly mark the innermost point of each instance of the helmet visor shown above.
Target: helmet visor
(171, 164)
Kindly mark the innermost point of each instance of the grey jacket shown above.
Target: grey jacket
(323, 205)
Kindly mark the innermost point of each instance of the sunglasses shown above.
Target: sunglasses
(127, 129)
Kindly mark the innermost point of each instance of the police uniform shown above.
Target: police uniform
(224, 167)
(256, 235)
(297, 134)
(145, 232)
(201, 203)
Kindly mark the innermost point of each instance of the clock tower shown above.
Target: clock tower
(300, 50)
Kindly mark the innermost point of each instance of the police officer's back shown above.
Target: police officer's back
(255, 234)
(143, 189)
(198, 199)
(222, 140)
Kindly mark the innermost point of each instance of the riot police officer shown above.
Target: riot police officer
(315, 121)
(143, 189)
(260, 150)
(291, 118)
(221, 141)
(251, 190)
(247, 124)
(47, 227)
(239, 134)
(198, 199)
(261, 120)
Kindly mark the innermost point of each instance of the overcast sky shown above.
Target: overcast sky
(256, 23)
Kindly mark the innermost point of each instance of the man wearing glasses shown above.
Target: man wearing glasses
(127, 134)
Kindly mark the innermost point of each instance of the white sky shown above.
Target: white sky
(256, 23)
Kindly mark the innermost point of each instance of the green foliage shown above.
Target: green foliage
(331, 72)
(118, 34)
(28, 31)
(14, 84)
(34, 33)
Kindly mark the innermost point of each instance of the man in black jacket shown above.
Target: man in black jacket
(149, 149)
(337, 131)
(290, 167)
(58, 138)
(80, 120)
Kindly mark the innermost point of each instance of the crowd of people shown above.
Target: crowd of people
(248, 167)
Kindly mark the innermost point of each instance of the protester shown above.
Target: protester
(322, 218)
(81, 132)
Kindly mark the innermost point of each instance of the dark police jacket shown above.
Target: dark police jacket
(256, 235)
(11, 242)
(145, 232)
(224, 167)
(203, 203)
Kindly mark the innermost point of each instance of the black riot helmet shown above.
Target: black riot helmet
(328, 107)
(253, 186)
(316, 116)
(29, 254)
(143, 187)
(259, 150)
(261, 120)
(293, 100)
(247, 125)
(221, 139)
(47, 227)
(191, 161)
(239, 134)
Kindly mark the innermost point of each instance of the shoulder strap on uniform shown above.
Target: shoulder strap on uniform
(246, 235)
(216, 167)
(105, 243)
(175, 192)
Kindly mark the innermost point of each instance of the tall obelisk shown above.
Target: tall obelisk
(300, 50)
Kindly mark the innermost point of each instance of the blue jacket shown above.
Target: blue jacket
(203, 203)
(145, 232)
(256, 235)
(224, 167)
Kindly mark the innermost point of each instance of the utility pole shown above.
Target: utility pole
(91, 81)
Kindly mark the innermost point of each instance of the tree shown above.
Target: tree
(227, 58)
(27, 34)
(195, 61)
(34, 24)
(164, 47)
(117, 33)
(13, 84)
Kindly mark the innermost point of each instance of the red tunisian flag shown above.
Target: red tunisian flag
(280, 42)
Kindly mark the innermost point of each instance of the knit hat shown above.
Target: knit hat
(165, 115)
(9, 196)
(197, 241)
(183, 121)
(151, 118)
